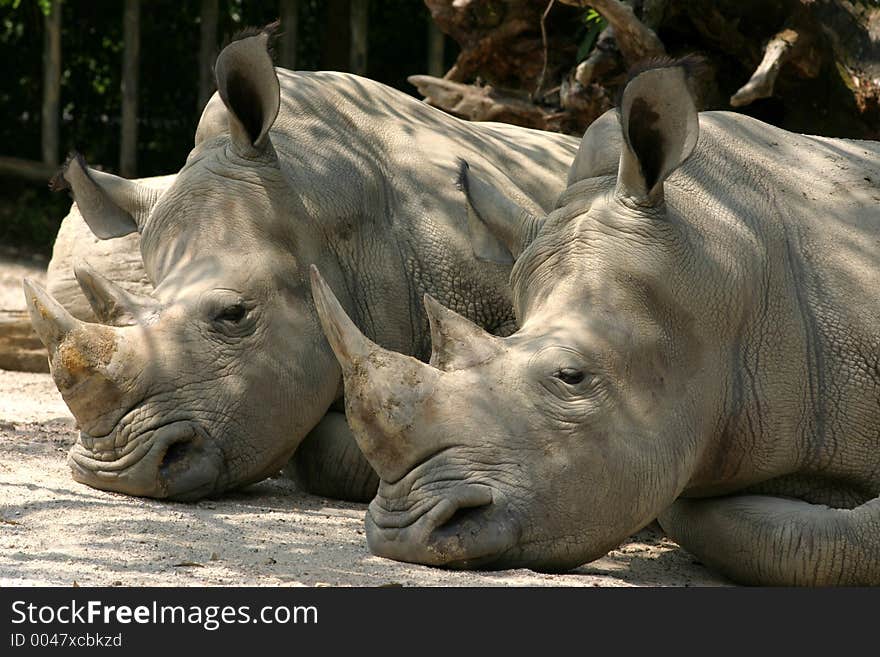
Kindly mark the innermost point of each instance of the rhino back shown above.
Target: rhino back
(343, 120)
(785, 227)
(382, 167)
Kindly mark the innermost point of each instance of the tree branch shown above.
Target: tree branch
(635, 40)
(479, 103)
(783, 47)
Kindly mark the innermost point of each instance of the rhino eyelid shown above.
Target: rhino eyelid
(570, 375)
(233, 313)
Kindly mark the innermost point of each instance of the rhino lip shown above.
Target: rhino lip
(153, 464)
(468, 527)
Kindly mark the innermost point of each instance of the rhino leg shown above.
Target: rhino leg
(764, 540)
(329, 463)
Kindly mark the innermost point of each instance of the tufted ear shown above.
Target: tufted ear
(248, 86)
(499, 228)
(660, 130)
(110, 205)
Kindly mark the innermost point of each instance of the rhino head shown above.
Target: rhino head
(183, 393)
(547, 448)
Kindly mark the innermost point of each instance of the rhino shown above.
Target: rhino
(698, 343)
(212, 380)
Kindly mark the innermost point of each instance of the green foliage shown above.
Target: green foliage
(594, 24)
(45, 6)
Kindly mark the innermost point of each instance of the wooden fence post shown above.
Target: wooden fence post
(207, 50)
(289, 12)
(359, 33)
(130, 57)
(51, 84)
(436, 65)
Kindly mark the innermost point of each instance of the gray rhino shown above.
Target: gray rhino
(213, 380)
(698, 341)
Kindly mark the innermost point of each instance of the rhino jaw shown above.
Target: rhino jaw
(467, 526)
(175, 461)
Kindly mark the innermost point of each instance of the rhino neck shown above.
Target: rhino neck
(376, 170)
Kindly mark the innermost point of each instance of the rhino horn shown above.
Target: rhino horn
(50, 319)
(456, 342)
(111, 206)
(110, 303)
(348, 343)
(90, 363)
(385, 392)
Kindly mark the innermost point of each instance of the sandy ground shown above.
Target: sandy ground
(54, 531)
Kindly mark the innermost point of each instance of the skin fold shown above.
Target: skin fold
(697, 343)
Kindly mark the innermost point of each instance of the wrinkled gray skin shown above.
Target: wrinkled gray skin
(213, 380)
(698, 342)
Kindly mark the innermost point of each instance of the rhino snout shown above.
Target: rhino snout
(176, 461)
(470, 526)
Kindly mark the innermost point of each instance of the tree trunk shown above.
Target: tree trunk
(335, 42)
(359, 11)
(51, 84)
(289, 11)
(130, 58)
(207, 51)
(436, 66)
(501, 40)
(806, 65)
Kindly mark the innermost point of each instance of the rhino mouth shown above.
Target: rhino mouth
(465, 527)
(175, 460)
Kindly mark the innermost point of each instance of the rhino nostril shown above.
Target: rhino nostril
(176, 453)
(465, 519)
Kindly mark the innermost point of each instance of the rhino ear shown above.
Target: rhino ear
(499, 228)
(110, 205)
(660, 130)
(213, 121)
(599, 152)
(249, 87)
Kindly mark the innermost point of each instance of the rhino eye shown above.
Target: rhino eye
(570, 376)
(233, 314)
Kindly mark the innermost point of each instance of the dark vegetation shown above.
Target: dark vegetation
(814, 65)
(168, 112)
